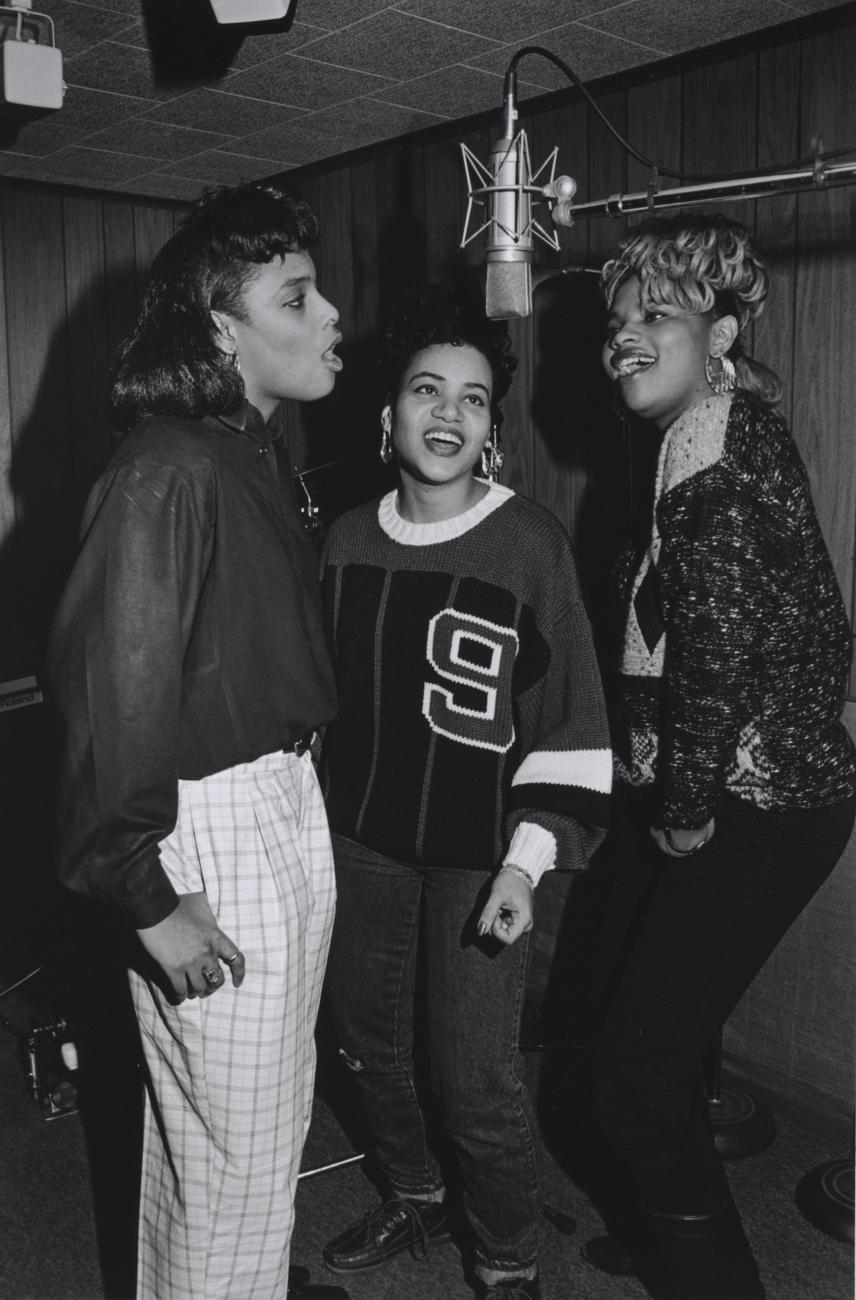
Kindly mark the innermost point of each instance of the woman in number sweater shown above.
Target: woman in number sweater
(470, 755)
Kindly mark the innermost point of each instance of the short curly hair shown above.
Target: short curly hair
(699, 264)
(441, 313)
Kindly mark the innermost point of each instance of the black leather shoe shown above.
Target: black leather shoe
(300, 1288)
(386, 1231)
(607, 1254)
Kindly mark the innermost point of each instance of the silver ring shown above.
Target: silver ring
(212, 975)
(234, 957)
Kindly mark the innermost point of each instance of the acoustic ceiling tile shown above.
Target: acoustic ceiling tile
(303, 83)
(589, 53)
(79, 165)
(504, 20)
(157, 185)
(257, 49)
(455, 92)
(78, 27)
(220, 110)
(339, 130)
(397, 43)
(674, 25)
(218, 167)
(147, 139)
(123, 69)
(336, 14)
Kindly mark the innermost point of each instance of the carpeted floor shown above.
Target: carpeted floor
(67, 1183)
(797, 1261)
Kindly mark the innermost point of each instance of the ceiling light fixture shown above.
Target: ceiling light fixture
(251, 11)
(30, 64)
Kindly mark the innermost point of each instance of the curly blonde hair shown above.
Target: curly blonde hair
(701, 264)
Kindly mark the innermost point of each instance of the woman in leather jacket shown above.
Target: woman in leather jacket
(189, 672)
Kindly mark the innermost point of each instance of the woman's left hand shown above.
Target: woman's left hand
(682, 843)
(508, 912)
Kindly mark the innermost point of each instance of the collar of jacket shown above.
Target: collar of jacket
(248, 420)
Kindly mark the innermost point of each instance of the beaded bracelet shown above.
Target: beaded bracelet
(518, 871)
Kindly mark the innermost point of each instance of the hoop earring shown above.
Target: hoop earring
(492, 456)
(386, 449)
(723, 380)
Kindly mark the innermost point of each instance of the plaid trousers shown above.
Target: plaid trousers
(232, 1075)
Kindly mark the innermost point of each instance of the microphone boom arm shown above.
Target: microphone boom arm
(790, 181)
(491, 190)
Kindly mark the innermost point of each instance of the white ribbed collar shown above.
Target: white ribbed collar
(408, 534)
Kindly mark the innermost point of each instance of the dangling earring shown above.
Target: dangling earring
(492, 455)
(386, 451)
(235, 362)
(723, 380)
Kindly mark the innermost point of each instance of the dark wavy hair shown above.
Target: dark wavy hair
(700, 264)
(171, 363)
(440, 313)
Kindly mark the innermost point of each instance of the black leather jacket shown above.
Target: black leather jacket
(188, 639)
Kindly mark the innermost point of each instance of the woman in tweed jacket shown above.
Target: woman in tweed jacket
(738, 773)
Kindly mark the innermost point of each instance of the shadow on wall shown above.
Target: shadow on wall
(340, 435)
(59, 451)
(56, 455)
(598, 471)
(595, 469)
(338, 438)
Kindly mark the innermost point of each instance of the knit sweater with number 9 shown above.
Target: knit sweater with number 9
(471, 725)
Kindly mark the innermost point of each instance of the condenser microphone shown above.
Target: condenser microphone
(508, 253)
(504, 189)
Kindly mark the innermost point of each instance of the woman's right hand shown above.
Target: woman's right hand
(507, 914)
(188, 943)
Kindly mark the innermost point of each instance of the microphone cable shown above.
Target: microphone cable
(655, 167)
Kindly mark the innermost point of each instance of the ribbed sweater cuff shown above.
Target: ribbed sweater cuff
(533, 849)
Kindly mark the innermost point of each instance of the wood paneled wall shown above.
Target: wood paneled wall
(70, 275)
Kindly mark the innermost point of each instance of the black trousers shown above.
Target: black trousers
(688, 936)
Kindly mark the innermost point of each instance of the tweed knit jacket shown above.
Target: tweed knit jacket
(736, 644)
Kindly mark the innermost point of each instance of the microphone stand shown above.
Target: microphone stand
(790, 181)
(825, 1196)
(741, 1125)
(558, 192)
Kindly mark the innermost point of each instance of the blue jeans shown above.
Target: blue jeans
(389, 918)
